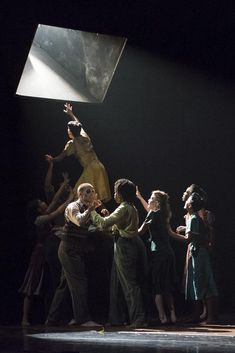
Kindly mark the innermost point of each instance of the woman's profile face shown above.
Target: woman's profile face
(186, 195)
(188, 204)
(152, 203)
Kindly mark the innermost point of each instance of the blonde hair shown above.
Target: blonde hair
(163, 199)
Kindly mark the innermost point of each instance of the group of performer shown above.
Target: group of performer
(75, 221)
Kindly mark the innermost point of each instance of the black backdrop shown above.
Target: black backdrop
(166, 122)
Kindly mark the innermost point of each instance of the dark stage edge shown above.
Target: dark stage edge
(159, 339)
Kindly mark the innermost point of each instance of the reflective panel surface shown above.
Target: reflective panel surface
(70, 65)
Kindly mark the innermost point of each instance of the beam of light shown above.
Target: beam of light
(45, 75)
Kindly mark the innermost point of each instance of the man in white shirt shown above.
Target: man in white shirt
(73, 246)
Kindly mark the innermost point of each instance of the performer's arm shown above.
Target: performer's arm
(58, 158)
(79, 218)
(180, 229)
(143, 228)
(52, 215)
(109, 221)
(69, 111)
(48, 187)
(142, 200)
(64, 187)
(177, 236)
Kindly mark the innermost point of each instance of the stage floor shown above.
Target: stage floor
(177, 339)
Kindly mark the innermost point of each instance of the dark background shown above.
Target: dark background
(167, 120)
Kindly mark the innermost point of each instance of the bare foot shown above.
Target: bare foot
(163, 319)
(173, 317)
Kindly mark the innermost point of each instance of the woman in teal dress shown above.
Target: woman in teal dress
(208, 219)
(199, 284)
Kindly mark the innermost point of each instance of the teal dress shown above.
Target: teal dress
(200, 283)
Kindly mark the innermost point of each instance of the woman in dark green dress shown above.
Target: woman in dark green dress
(162, 259)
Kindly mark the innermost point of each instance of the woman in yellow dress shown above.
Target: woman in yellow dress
(81, 147)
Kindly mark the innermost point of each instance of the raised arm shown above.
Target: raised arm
(142, 200)
(58, 158)
(62, 189)
(48, 187)
(59, 210)
(177, 236)
(68, 109)
(143, 228)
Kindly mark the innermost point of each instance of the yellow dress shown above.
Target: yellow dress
(94, 171)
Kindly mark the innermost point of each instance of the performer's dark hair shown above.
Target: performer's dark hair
(193, 188)
(198, 190)
(196, 201)
(75, 128)
(127, 189)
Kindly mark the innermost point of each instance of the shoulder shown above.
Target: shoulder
(194, 216)
(69, 144)
(210, 217)
(193, 220)
(73, 206)
(128, 206)
(151, 214)
(125, 208)
(155, 215)
(196, 222)
(84, 134)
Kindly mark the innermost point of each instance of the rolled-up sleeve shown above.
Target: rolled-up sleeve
(109, 221)
(69, 148)
(73, 214)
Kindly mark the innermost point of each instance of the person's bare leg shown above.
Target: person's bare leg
(204, 311)
(211, 304)
(171, 306)
(26, 310)
(160, 308)
(197, 305)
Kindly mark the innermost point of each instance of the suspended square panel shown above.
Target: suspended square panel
(70, 65)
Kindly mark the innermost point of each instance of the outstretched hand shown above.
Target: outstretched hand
(49, 158)
(138, 194)
(104, 212)
(180, 229)
(68, 109)
(95, 204)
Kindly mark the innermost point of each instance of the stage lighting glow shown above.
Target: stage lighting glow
(34, 83)
(149, 338)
